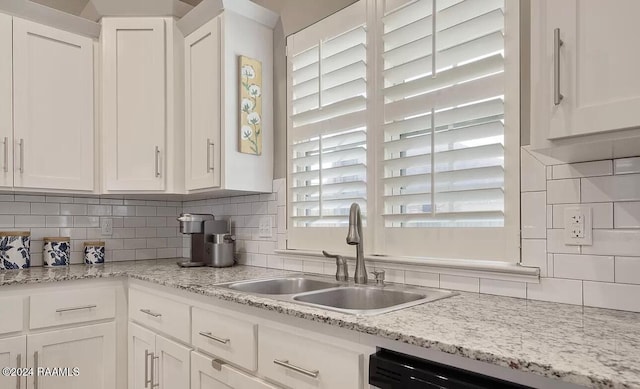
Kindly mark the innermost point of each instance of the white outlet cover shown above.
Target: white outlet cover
(106, 227)
(578, 225)
(264, 227)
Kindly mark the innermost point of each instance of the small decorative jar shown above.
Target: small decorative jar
(94, 253)
(14, 249)
(56, 251)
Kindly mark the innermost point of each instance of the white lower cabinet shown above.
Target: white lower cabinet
(300, 362)
(205, 376)
(91, 349)
(156, 362)
(13, 355)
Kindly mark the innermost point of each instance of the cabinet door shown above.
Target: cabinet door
(205, 376)
(53, 108)
(134, 104)
(6, 102)
(13, 354)
(142, 348)
(173, 364)
(91, 349)
(202, 114)
(598, 69)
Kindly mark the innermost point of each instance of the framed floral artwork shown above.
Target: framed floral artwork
(250, 106)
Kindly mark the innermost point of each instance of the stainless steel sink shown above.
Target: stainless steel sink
(345, 297)
(290, 285)
(370, 300)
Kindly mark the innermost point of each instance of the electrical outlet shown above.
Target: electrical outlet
(106, 227)
(264, 227)
(578, 228)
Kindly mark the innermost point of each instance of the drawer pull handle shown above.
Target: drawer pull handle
(63, 310)
(147, 354)
(310, 373)
(213, 337)
(217, 364)
(150, 313)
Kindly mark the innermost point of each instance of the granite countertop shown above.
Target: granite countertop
(588, 346)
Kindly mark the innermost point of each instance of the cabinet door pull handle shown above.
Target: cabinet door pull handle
(153, 370)
(21, 144)
(157, 161)
(19, 365)
(6, 154)
(215, 338)
(557, 43)
(309, 373)
(146, 368)
(62, 310)
(35, 368)
(150, 312)
(210, 153)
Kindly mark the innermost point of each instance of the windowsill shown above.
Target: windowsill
(470, 268)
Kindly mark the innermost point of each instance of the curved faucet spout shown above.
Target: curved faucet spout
(354, 237)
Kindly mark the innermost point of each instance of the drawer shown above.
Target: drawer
(301, 362)
(68, 307)
(11, 314)
(226, 337)
(161, 314)
(205, 376)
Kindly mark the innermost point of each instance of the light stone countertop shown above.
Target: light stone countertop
(588, 346)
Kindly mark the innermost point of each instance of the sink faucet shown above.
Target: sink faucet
(354, 237)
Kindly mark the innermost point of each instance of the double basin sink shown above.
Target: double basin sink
(337, 296)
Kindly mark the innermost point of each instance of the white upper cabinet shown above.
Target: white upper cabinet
(203, 107)
(583, 73)
(6, 102)
(212, 103)
(53, 105)
(134, 88)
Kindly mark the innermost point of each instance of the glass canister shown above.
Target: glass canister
(56, 251)
(94, 253)
(14, 249)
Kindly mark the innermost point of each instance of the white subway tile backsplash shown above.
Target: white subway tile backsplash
(613, 296)
(627, 214)
(614, 242)
(503, 288)
(292, 264)
(45, 208)
(612, 188)
(583, 169)
(584, 267)
(627, 270)
(533, 173)
(99, 210)
(467, 284)
(86, 221)
(534, 253)
(422, 279)
(557, 290)
(59, 221)
(563, 191)
(627, 165)
(142, 210)
(602, 214)
(534, 215)
(73, 209)
(555, 243)
(26, 221)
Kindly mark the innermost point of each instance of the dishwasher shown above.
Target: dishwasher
(392, 370)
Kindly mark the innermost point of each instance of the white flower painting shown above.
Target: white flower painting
(250, 106)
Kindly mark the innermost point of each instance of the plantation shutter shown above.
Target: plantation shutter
(442, 171)
(327, 131)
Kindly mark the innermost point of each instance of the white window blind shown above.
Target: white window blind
(443, 140)
(327, 123)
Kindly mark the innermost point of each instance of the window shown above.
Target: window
(411, 109)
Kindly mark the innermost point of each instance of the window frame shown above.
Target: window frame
(478, 243)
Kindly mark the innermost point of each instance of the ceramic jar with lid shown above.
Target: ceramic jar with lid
(56, 251)
(14, 249)
(94, 253)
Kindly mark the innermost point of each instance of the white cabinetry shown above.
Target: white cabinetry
(139, 119)
(584, 80)
(203, 99)
(212, 104)
(6, 102)
(205, 376)
(156, 361)
(13, 354)
(92, 349)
